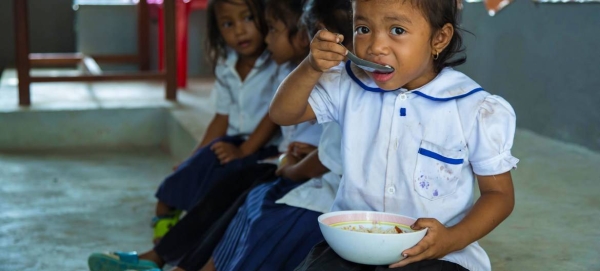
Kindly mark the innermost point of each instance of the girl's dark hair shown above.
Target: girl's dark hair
(438, 13)
(215, 45)
(287, 11)
(335, 15)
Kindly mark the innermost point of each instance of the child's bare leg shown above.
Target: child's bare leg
(209, 266)
(163, 209)
(152, 256)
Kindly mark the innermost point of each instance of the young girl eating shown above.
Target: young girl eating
(414, 141)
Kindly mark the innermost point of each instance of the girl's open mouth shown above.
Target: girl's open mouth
(382, 77)
(244, 44)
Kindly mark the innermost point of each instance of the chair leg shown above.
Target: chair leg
(183, 13)
(161, 39)
(181, 27)
(143, 36)
(171, 50)
(22, 50)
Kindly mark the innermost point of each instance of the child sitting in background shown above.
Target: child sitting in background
(240, 133)
(415, 140)
(190, 242)
(277, 225)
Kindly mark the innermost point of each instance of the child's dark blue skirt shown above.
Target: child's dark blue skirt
(194, 177)
(268, 236)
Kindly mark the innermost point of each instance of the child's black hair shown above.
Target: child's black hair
(335, 15)
(438, 13)
(288, 12)
(215, 45)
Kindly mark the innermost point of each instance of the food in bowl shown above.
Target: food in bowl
(342, 231)
(373, 229)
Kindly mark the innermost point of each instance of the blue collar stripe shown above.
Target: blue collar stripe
(447, 99)
(372, 89)
(356, 80)
(439, 157)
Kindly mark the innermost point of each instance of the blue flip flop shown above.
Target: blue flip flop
(119, 261)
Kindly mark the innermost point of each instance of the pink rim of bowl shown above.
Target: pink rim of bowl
(342, 218)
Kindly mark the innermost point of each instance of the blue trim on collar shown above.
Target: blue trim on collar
(367, 88)
(439, 157)
(447, 99)
(360, 83)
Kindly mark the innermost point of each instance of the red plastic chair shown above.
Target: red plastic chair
(183, 8)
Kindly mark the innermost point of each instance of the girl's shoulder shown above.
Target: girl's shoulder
(472, 100)
(478, 106)
(452, 85)
(469, 94)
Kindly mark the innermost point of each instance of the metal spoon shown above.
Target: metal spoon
(365, 64)
(368, 65)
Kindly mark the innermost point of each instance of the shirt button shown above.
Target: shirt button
(403, 97)
(391, 190)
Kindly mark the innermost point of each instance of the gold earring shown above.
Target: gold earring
(437, 55)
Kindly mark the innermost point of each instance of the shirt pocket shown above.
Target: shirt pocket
(437, 170)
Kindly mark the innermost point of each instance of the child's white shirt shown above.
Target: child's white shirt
(318, 194)
(246, 103)
(416, 153)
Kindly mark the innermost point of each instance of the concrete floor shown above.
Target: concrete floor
(57, 207)
(555, 222)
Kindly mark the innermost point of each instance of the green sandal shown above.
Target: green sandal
(162, 224)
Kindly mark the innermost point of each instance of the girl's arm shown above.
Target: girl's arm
(300, 149)
(496, 202)
(227, 152)
(261, 136)
(303, 170)
(217, 128)
(290, 104)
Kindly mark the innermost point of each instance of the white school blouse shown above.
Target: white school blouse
(318, 194)
(247, 102)
(415, 152)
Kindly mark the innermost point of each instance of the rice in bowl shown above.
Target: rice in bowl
(373, 229)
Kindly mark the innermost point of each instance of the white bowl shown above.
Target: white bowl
(364, 247)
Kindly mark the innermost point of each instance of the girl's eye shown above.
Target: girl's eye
(397, 31)
(249, 18)
(226, 24)
(362, 30)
